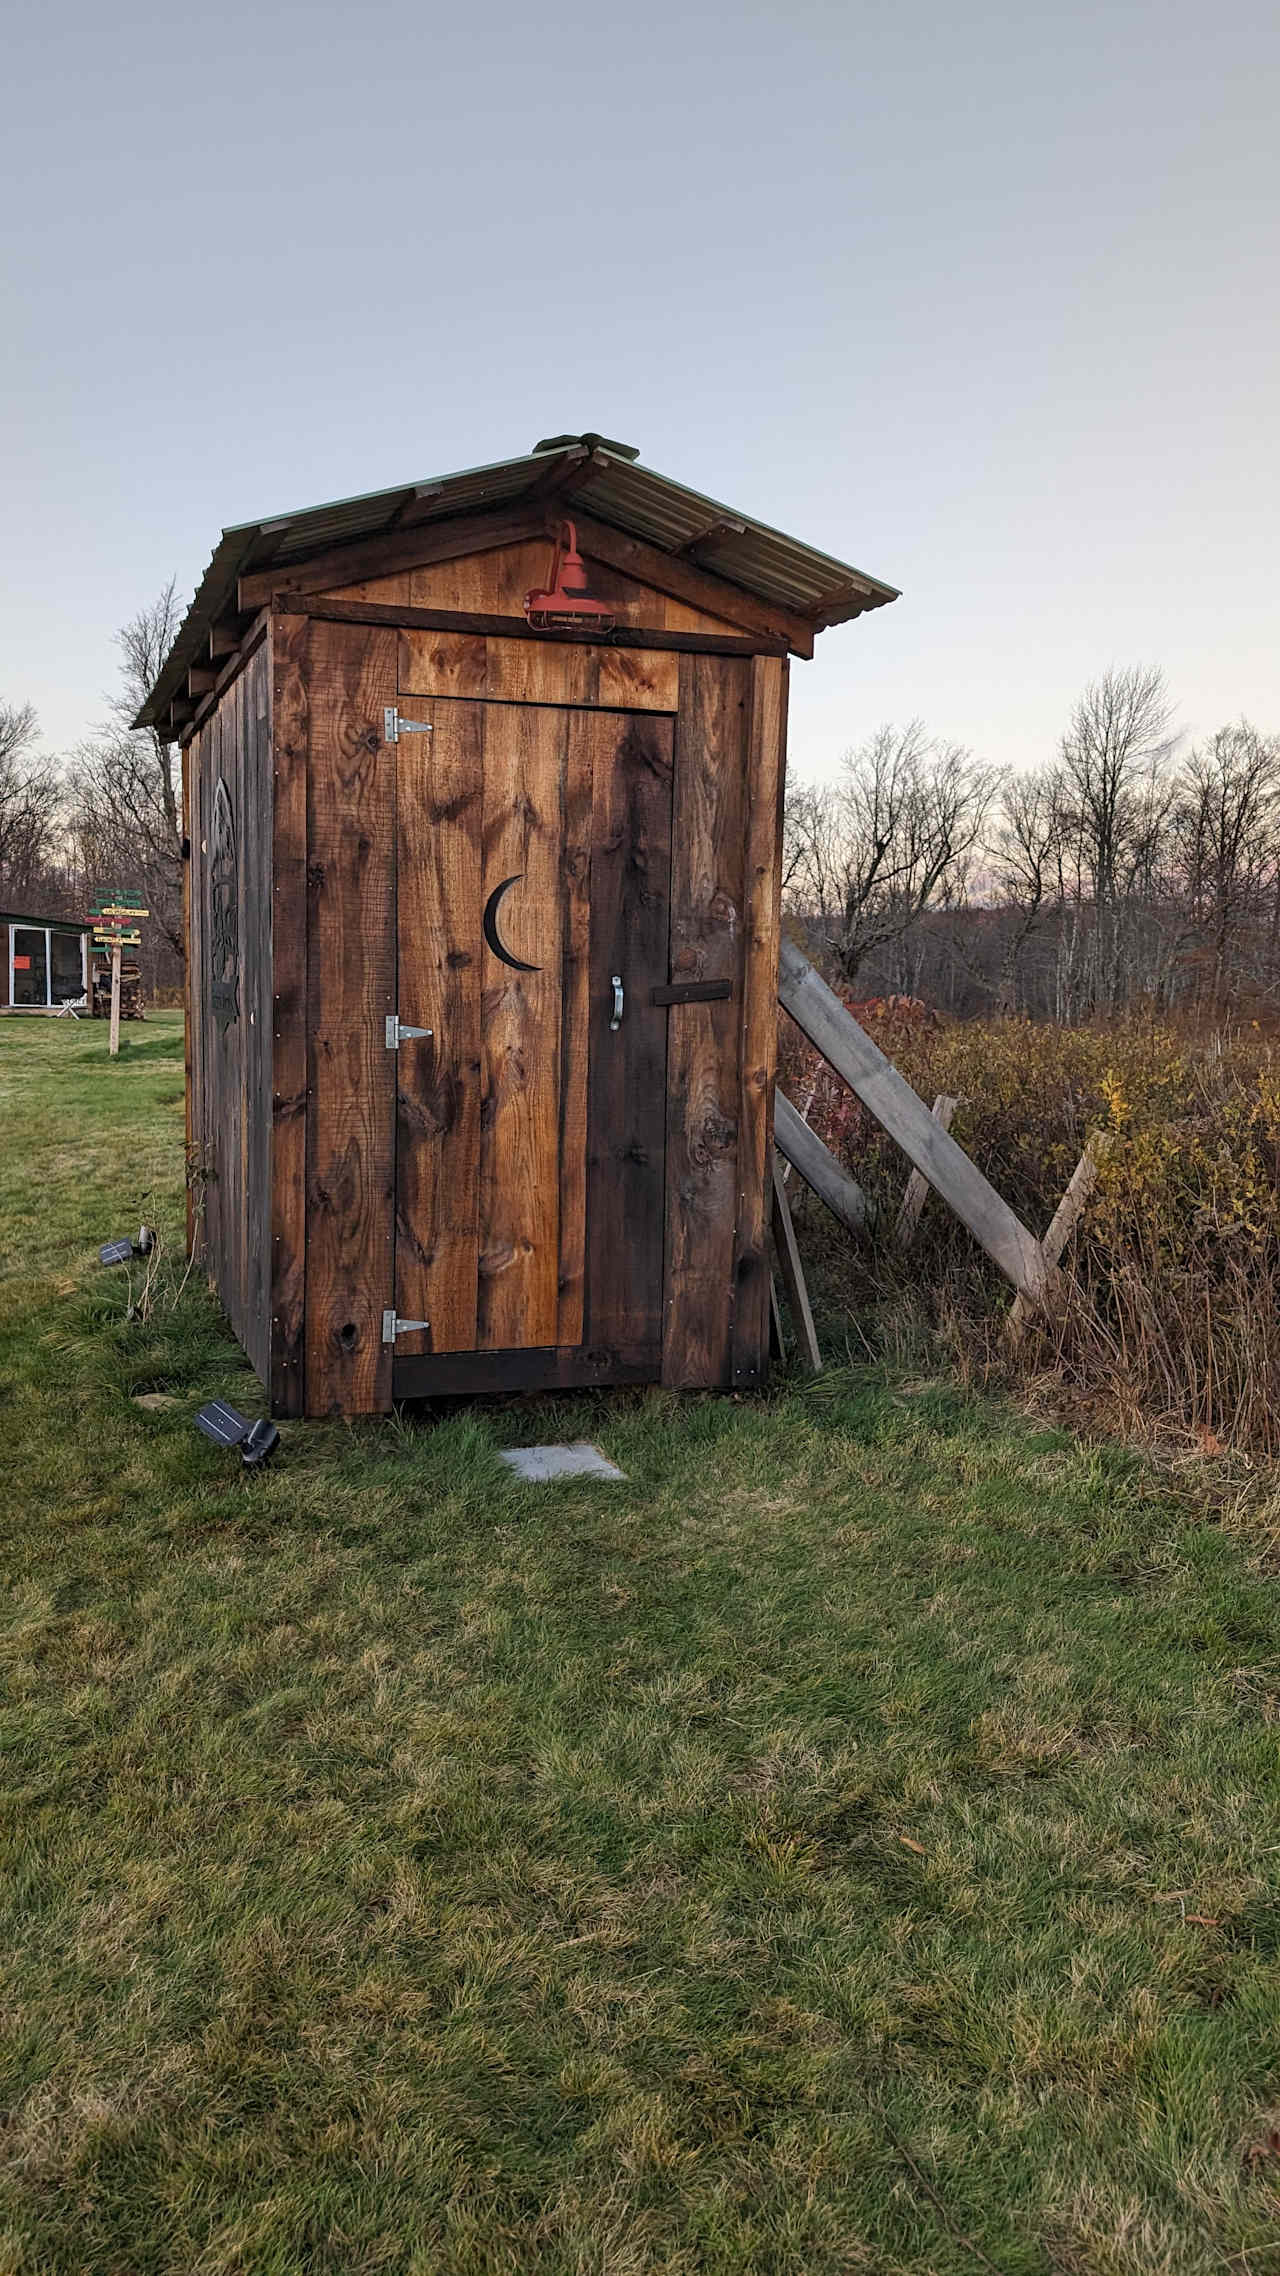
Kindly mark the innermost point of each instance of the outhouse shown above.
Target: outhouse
(483, 783)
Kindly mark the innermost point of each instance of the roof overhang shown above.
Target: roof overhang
(604, 478)
(44, 924)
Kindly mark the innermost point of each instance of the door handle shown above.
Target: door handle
(618, 1002)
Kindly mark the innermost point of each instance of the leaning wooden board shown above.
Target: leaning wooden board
(819, 1013)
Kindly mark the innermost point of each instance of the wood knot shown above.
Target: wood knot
(715, 1135)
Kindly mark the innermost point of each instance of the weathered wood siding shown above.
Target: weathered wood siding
(721, 1057)
(758, 1060)
(334, 1093)
(229, 1057)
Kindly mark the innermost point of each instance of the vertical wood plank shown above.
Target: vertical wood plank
(197, 992)
(630, 936)
(188, 1078)
(238, 784)
(288, 640)
(224, 1147)
(350, 991)
(524, 761)
(218, 1217)
(232, 711)
(576, 888)
(703, 1089)
(762, 923)
(439, 806)
(258, 991)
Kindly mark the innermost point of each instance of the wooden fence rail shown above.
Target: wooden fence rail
(817, 1165)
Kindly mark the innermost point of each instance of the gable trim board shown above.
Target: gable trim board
(634, 513)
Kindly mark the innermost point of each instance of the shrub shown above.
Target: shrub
(1172, 1308)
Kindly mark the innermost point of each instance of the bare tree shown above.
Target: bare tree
(1226, 832)
(30, 803)
(1025, 866)
(1116, 805)
(125, 781)
(1119, 734)
(1111, 876)
(867, 856)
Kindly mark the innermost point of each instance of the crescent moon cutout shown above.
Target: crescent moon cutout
(491, 926)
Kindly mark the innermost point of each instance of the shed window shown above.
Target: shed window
(30, 965)
(46, 967)
(66, 968)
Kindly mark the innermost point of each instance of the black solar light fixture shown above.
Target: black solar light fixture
(123, 1252)
(223, 1423)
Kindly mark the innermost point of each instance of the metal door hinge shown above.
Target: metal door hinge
(393, 1326)
(393, 726)
(398, 1033)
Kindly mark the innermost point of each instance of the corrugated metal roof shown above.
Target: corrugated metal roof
(615, 489)
(54, 924)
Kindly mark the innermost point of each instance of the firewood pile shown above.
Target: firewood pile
(132, 1000)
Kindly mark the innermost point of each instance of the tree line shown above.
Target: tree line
(1125, 871)
(108, 815)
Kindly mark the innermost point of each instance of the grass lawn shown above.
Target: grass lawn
(852, 1844)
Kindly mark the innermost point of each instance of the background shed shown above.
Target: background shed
(483, 925)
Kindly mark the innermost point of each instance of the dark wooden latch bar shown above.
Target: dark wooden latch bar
(693, 992)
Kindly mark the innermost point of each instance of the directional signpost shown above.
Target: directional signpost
(116, 917)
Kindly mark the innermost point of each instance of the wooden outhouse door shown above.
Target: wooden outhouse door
(533, 879)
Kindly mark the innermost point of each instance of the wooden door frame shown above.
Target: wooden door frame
(595, 1357)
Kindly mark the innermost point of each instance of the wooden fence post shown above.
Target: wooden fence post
(114, 1044)
(789, 1265)
(918, 1188)
(1062, 1225)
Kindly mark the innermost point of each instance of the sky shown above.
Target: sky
(983, 300)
